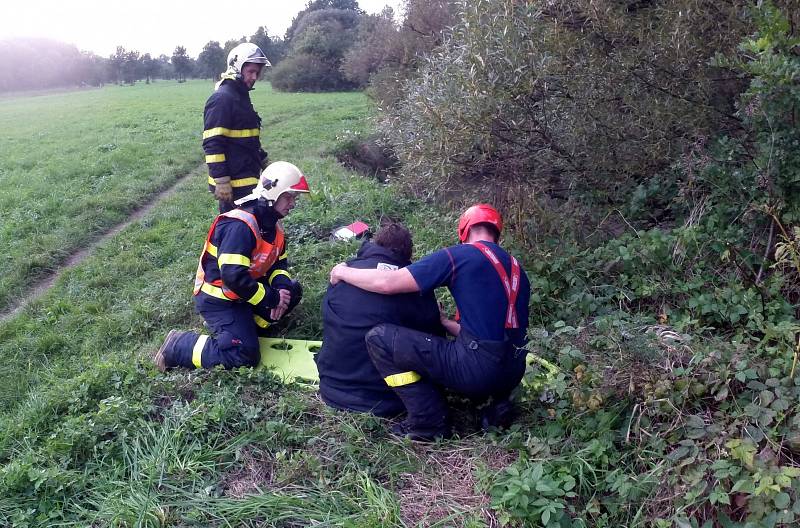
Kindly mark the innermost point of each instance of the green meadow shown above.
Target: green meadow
(74, 164)
(90, 433)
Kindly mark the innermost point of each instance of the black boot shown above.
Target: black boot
(163, 358)
(404, 430)
(499, 414)
(427, 413)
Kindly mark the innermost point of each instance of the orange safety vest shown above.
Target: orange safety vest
(263, 257)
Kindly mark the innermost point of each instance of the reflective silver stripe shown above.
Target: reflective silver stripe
(197, 351)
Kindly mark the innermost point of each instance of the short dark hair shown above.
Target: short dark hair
(491, 228)
(396, 237)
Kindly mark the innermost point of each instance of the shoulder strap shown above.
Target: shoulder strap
(511, 286)
(247, 218)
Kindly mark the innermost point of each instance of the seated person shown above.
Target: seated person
(486, 361)
(347, 377)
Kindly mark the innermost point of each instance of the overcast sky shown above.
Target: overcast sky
(152, 26)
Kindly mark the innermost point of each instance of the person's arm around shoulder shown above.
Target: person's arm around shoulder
(387, 282)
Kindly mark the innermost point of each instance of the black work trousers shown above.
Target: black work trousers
(234, 340)
(478, 369)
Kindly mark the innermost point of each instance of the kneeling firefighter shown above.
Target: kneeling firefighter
(242, 285)
(486, 360)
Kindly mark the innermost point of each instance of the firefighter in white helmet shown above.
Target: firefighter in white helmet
(242, 286)
(232, 128)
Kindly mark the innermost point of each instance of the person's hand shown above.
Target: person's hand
(336, 273)
(283, 305)
(223, 190)
(442, 314)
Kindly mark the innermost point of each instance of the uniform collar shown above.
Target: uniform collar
(371, 250)
(235, 83)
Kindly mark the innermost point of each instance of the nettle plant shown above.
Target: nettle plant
(645, 426)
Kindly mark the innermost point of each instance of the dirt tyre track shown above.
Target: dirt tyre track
(40, 287)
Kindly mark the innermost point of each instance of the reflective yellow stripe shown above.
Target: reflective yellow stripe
(213, 291)
(227, 132)
(403, 378)
(212, 249)
(215, 158)
(279, 272)
(260, 321)
(233, 258)
(256, 298)
(244, 182)
(241, 182)
(282, 257)
(197, 351)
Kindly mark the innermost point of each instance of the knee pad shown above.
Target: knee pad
(376, 344)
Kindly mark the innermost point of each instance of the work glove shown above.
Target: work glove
(223, 191)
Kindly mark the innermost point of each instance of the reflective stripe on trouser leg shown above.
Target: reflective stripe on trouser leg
(427, 411)
(403, 378)
(197, 351)
(235, 341)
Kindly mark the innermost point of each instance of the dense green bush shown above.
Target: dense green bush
(567, 111)
(675, 401)
(649, 427)
(384, 54)
(576, 97)
(319, 42)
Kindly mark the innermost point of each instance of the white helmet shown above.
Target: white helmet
(244, 53)
(279, 177)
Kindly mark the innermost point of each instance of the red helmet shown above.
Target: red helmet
(478, 214)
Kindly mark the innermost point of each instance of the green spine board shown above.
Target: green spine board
(291, 359)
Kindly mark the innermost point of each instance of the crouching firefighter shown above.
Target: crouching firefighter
(485, 361)
(242, 285)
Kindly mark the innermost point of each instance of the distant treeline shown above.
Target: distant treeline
(34, 63)
(330, 45)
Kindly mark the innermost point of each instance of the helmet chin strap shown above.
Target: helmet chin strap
(268, 207)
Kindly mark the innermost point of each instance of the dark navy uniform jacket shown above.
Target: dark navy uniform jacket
(348, 379)
(231, 138)
(477, 289)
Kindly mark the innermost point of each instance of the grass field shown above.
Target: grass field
(76, 163)
(628, 430)
(90, 433)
